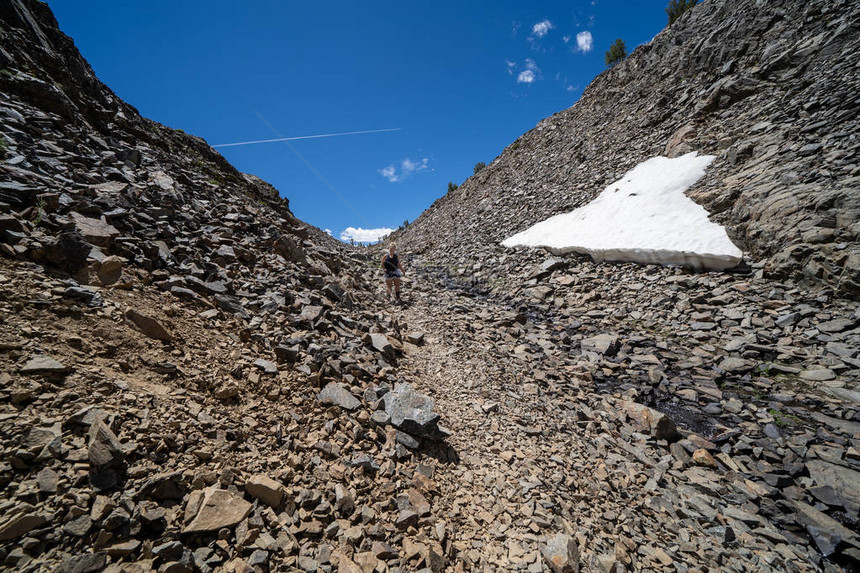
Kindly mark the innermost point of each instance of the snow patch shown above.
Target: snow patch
(644, 217)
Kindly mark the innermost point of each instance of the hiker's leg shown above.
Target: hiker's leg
(388, 283)
(397, 288)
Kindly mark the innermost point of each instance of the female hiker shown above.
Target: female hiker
(393, 271)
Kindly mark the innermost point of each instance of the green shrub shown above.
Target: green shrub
(451, 186)
(39, 214)
(478, 166)
(3, 147)
(678, 7)
(616, 53)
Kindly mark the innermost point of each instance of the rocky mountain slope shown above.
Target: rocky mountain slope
(191, 379)
(183, 363)
(770, 88)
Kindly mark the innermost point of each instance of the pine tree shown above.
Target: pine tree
(478, 166)
(616, 52)
(678, 7)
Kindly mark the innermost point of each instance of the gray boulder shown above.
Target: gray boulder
(412, 412)
(561, 553)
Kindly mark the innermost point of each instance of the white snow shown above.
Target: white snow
(643, 217)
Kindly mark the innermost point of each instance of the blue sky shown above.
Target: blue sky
(460, 80)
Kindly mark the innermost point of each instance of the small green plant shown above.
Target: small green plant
(39, 215)
(678, 7)
(616, 53)
(4, 149)
(515, 145)
(6, 73)
(451, 186)
(478, 166)
(783, 419)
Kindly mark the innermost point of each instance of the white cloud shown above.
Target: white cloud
(407, 167)
(360, 235)
(566, 39)
(584, 42)
(530, 74)
(389, 173)
(511, 66)
(541, 29)
(327, 231)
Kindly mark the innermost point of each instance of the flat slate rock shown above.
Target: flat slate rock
(601, 343)
(334, 394)
(381, 343)
(95, 231)
(85, 563)
(43, 364)
(416, 338)
(735, 365)
(265, 489)
(266, 366)
(836, 325)
(310, 313)
(88, 296)
(845, 481)
(148, 325)
(17, 525)
(213, 509)
(818, 374)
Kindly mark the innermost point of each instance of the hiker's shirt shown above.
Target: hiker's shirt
(391, 265)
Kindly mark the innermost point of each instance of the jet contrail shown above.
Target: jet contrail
(306, 137)
(295, 151)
